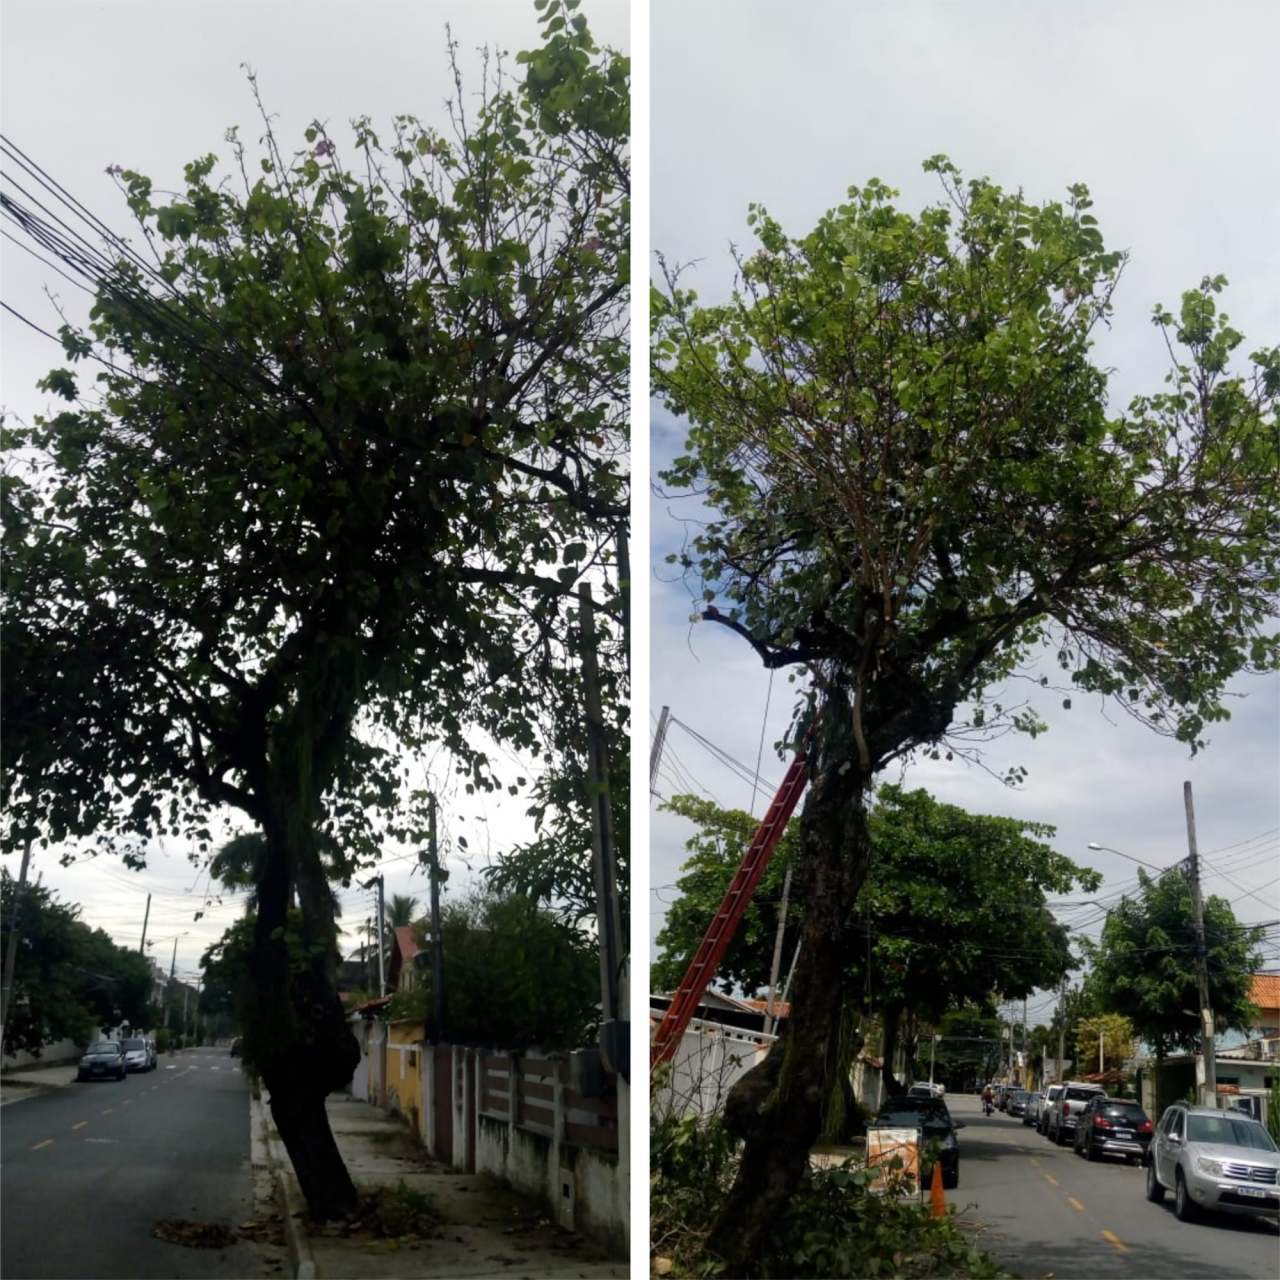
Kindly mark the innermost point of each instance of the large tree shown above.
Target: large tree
(360, 431)
(1144, 966)
(953, 911)
(69, 979)
(915, 486)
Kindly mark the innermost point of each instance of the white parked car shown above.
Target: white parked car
(137, 1054)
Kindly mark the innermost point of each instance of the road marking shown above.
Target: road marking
(108, 1111)
(127, 1101)
(1050, 1178)
(81, 1125)
(1071, 1200)
(46, 1143)
(1115, 1240)
(111, 1141)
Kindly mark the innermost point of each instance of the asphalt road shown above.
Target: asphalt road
(1049, 1212)
(88, 1171)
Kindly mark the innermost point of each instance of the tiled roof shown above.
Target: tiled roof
(1265, 992)
(781, 1008)
(405, 940)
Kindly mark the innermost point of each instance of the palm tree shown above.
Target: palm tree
(400, 909)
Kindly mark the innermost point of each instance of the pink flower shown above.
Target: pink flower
(591, 246)
(324, 147)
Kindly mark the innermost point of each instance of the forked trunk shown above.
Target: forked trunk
(777, 1107)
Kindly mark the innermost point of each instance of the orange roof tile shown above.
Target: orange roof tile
(1265, 992)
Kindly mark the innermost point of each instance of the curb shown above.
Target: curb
(292, 1203)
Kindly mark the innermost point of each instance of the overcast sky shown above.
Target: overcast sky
(1168, 113)
(151, 87)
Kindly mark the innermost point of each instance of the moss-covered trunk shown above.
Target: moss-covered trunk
(777, 1108)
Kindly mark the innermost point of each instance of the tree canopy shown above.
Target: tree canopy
(916, 488)
(360, 429)
(1144, 966)
(69, 979)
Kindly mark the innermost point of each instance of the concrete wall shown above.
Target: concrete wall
(708, 1061)
(406, 1049)
(51, 1055)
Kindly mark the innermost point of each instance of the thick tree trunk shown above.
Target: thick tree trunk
(298, 1038)
(892, 1024)
(777, 1107)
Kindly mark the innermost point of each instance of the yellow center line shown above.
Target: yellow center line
(47, 1142)
(1115, 1240)
(108, 1111)
(127, 1101)
(1048, 1177)
(1071, 1200)
(81, 1125)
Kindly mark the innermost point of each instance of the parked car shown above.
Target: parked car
(237, 1046)
(924, 1090)
(1219, 1161)
(1031, 1114)
(1067, 1108)
(1113, 1126)
(1017, 1103)
(137, 1056)
(1047, 1103)
(106, 1058)
(931, 1117)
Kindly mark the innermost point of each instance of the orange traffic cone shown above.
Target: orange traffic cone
(937, 1197)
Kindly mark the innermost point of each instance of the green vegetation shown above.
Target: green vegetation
(514, 975)
(833, 1225)
(69, 980)
(354, 435)
(914, 487)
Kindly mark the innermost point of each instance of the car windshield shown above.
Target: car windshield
(1129, 1110)
(903, 1114)
(104, 1046)
(1019, 1095)
(1227, 1131)
(131, 1045)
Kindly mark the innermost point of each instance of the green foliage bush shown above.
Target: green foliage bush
(833, 1226)
(514, 974)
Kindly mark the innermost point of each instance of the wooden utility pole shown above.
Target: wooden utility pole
(1209, 1096)
(146, 915)
(604, 860)
(771, 1017)
(382, 951)
(437, 941)
(6, 988)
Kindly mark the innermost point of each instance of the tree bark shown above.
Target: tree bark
(298, 1037)
(777, 1106)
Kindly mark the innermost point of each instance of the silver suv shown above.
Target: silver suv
(1213, 1160)
(1067, 1108)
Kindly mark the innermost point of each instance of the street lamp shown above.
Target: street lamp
(1093, 844)
(173, 963)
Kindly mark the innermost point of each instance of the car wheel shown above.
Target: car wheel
(1058, 1137)
(1183, 1208)
(1155, 1191)
(951, 1180)
(1090, 1152)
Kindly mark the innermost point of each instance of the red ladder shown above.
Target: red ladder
(725, 922)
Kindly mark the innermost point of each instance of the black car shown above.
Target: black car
(931, 1117)
(1113, 1126)
(103, 1060)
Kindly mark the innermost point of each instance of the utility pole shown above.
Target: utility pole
(382, 958)
(364, 952)
(1210, 1096)
(613, 1024)
(437, 941)
(1062, 1031)
(655, 752)
(168, 993)
(146, 915)
(771, 1017)
(6, 989)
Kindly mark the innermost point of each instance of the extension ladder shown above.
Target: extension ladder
(724, 924)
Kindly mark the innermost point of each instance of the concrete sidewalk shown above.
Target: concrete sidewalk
(480, 1227)
(26, 1082)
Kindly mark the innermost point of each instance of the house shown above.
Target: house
(1264, 994)
(402, 974)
